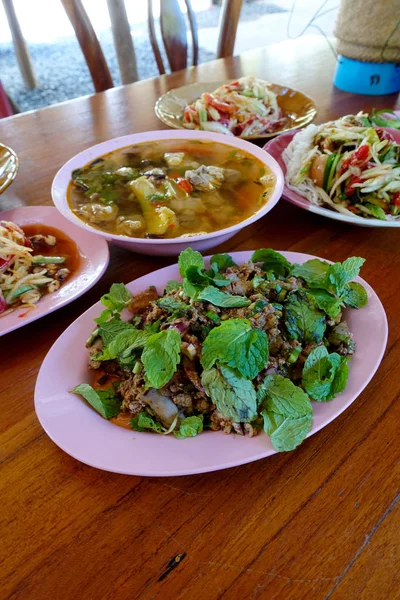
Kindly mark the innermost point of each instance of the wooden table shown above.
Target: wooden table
(321, 522)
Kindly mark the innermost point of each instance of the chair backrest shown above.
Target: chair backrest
(173, 32)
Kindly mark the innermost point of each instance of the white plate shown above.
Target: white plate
(278, 145)
(82, 433)
(94, 261)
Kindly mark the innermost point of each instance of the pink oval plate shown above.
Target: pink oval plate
(275, 148)
(81, 432)
(94, 261)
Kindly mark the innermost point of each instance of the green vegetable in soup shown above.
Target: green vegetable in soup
(169, 189)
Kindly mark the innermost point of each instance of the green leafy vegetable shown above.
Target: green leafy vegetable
(290, 433)
(220, 262)
(218, 298)
(123, 344)
(324, 374)
(105, 316)
(190, 427)
(189, 258)
(313, 272)
(341, 274)
(160, 357)
(110, 329)
(117, 298)
(355, 295)
(281, 396)
(326, 302)
(272, 261)
(173, 285)
(143, 422)
(303, 320)
(286, 410)
(171, 305)
(236, 344)
(106, 402)
(331, 285)
(234, 396)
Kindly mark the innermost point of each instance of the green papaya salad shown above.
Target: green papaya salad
(239, 348)
(349, 165)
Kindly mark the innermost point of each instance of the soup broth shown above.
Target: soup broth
(169, 189)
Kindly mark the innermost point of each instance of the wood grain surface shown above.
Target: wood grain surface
(321, 522)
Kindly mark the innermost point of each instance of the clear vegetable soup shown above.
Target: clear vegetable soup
(170, 189)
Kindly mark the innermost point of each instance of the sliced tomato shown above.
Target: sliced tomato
(221, 107)
(5, 263)
(396, 198)
(350, 189)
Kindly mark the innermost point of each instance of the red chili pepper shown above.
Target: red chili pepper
(358, 159)
(186, 114)
(3, 304)
(185, 185)
(396, 198)
(349, 191)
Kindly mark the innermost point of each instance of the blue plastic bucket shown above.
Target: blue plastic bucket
(366, 77)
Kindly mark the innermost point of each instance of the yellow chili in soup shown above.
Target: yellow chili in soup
(169, 189)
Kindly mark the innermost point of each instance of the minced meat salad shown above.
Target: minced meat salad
(238, 348)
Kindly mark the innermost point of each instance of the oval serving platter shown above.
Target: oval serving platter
(85, 435)
(276, 147)
(299, 108)
(94, 257)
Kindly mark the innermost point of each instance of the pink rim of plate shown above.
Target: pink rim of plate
(94, 262)
(82, 433)
(63, 177)
(276, 146)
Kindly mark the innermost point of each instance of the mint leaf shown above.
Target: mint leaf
(105, 316)
(160, 357)
(128, 339)
(143, 422)
(237, 345)
(190, 290)
(324, 374)
(286, 410)
(281, 396)
(220, 262)
(173, 285)
(303, 320)
(312, 271)
(109, 330)
(189, 427)
(117, 298)
(271, 421)
(272, 261)
(218, 298)
(290, 433)
(326, 302)
(201, 278)
(106, 402)
(340, 274)
(355, 295)
(171, 305)
(234, 396)
(188, 258)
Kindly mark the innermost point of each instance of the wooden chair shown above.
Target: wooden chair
(173, 31)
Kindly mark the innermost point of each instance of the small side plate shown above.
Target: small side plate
(94, 261)
(299, 108)
(8, 167)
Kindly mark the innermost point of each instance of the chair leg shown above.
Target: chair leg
(21, 49)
